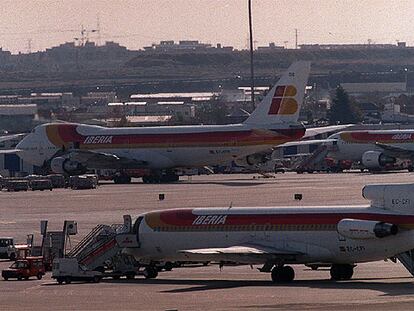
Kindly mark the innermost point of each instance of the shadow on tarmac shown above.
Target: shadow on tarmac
(387, 288)
(227, 183)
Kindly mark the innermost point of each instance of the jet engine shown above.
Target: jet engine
(253, 159)
(376, 159)
(61, 165)
(365, 229)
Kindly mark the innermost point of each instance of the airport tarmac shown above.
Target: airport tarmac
(379, 285)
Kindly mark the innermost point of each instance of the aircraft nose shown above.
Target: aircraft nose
(24, 146)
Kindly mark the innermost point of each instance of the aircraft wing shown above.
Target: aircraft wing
(397, 152)
(233, 253)
(324, 129)
(309, 142)
(104, 160)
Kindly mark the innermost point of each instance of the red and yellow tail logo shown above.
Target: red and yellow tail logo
(283, 101)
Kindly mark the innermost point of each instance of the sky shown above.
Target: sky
(38, 24)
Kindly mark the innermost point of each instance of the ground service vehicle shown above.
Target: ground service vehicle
(16, 185)
(25, 268)
(41, 184)
(58, 180)
(7, 249)
(68, 270)
(83, 182)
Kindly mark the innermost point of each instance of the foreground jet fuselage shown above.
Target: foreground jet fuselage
(339, 236)
(72, 148)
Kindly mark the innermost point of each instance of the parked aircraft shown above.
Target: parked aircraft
(275, 237)
(73, 148)
(373, 149)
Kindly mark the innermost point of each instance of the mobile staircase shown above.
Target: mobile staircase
(314, 161)
(98, 247)
(407, 259)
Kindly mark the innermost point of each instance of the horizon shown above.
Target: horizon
(37, 25)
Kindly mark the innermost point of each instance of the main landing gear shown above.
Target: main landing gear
(341, 272)
(286, 274)
(150, 272)
(122, 179)
(160, 177)
(282, 274)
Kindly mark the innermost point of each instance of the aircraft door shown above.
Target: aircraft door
(130, 239)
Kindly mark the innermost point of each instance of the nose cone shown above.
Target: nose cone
(27, 147)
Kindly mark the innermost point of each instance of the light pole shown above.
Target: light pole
(251, 54)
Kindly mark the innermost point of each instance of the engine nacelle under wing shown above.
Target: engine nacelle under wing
(365, 229)
(376, 159)
(253, 159)
(61, 165)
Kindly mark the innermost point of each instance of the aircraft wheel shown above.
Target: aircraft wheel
(341, 272)
(411, 168)
(283, 274)
(168, 266)
(39, 276)
(150, 272)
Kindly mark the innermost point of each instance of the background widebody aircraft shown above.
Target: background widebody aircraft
(72, 149)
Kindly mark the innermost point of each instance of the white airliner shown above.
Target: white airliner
(73, 148)
(274, 237)
(373, 148)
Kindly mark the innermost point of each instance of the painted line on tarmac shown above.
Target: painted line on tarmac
(7, 222)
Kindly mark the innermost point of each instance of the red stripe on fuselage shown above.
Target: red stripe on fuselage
(68, 133)
(369, 137)
(186, 218)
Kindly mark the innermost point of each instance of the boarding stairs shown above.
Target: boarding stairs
(407, 259)
(98, 246)
(313, 161)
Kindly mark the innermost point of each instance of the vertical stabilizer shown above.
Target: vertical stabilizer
(283, 102)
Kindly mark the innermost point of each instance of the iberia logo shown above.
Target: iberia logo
(283, 101)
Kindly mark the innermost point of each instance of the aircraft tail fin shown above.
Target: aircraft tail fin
(283, 102)
(395, 197)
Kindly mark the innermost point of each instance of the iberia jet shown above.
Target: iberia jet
(73, 148)
(373, 148)
(274, 237)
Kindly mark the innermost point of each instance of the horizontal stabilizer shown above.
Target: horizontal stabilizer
(10, 151)
(10, 137)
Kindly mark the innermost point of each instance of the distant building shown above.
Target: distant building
(49, 101)
(169, 46)
(350, 46)
(271, 47)
(17, 118)
(375, 87)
